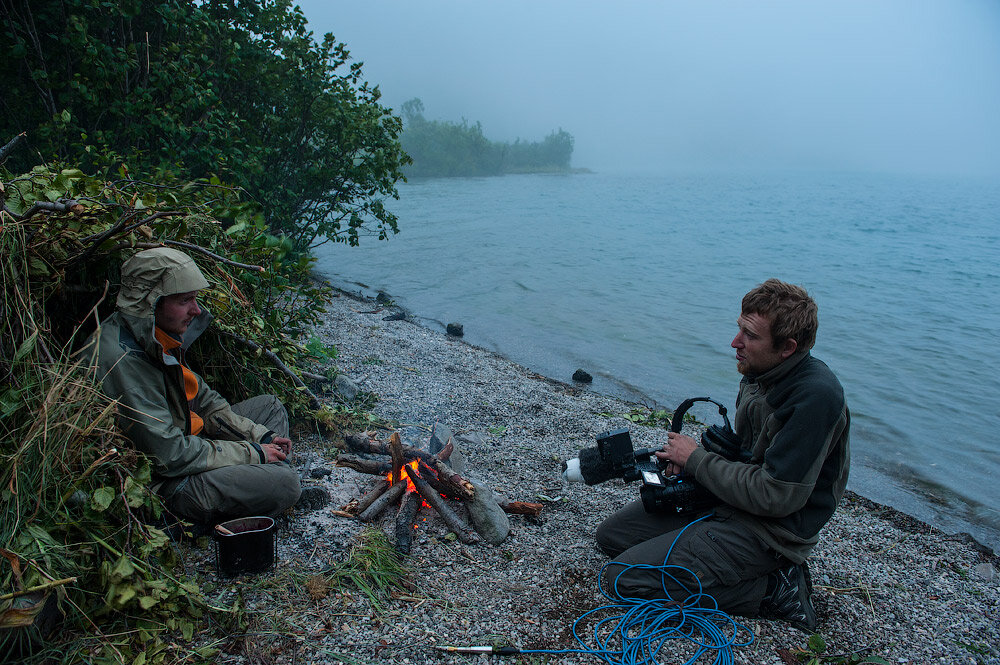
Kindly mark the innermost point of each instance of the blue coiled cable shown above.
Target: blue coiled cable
(641, 627)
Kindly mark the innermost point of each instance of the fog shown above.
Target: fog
(654, 86)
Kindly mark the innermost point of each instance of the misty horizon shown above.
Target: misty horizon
(891, 86)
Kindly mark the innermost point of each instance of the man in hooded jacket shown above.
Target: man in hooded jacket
(212, 461)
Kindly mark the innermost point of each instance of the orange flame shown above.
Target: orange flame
(405, 473)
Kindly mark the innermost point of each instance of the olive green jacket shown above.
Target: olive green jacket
(148, 382)
(795, 422)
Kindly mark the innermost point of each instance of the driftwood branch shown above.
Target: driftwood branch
(450, 517)
(312, 376)
(360, 505)
(396, 452)
(360, 443)
(378, 505)
(447, 475)
(405, 518)
(123, 225)
(520, 507)
(365, 465)
(62, 205)
(445, 484)
(276, 361)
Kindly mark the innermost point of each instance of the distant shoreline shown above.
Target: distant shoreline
(582, 170)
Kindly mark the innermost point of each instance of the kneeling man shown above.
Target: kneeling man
(750, 552)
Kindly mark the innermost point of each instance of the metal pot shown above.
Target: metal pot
(248, 547)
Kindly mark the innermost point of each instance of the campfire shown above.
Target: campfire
(412, 478)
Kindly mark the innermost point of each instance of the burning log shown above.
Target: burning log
(364, 465)
(430, 478)
(450, 517)
(405, 518)
(396, 452)
(379, 504)
(446, 480)
(362, 444)
(445, 483)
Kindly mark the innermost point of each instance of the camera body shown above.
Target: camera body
(615, 457)
(660, 492)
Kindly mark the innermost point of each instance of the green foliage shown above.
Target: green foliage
(460, 149)
(239, 90)
(814, 653)
(650, 417)
(75, 496)
(373, 567)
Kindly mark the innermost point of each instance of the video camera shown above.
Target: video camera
(614, 457)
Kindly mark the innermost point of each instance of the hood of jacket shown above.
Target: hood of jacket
(147, 277)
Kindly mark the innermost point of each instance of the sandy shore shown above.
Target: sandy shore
(885, 584)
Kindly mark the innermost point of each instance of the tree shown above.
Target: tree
(441, 148)
(235, 89)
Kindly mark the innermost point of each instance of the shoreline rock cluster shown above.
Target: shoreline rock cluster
(885, 584)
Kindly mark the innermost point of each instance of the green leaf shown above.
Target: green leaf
(37, 268)
(126, 594)
(102, 498)
(10, 401)
(146, 602)
(816, 643)
(26, 347)
(144, 474)
(135, 494)
(123, 568)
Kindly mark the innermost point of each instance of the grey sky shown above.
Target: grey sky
(882, 85)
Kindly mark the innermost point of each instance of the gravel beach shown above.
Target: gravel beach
(885, 584)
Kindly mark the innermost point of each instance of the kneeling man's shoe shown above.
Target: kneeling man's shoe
(787, 597)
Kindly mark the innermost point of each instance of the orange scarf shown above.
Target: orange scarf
(190, 380)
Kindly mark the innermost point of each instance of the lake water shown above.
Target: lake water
(638, 280)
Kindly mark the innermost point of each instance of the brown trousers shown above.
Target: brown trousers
(242, 490)
(730, 562)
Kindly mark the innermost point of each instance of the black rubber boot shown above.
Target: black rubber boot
(787, 597)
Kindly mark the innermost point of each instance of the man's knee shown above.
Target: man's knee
(607, 539)
(285, 487)
(266, 410)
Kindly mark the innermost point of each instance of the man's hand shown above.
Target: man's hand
(277, 450)
(677, 449)
(284, 444)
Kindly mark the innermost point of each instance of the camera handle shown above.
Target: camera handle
(678, 420)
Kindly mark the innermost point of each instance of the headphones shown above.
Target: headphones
(721, 440)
